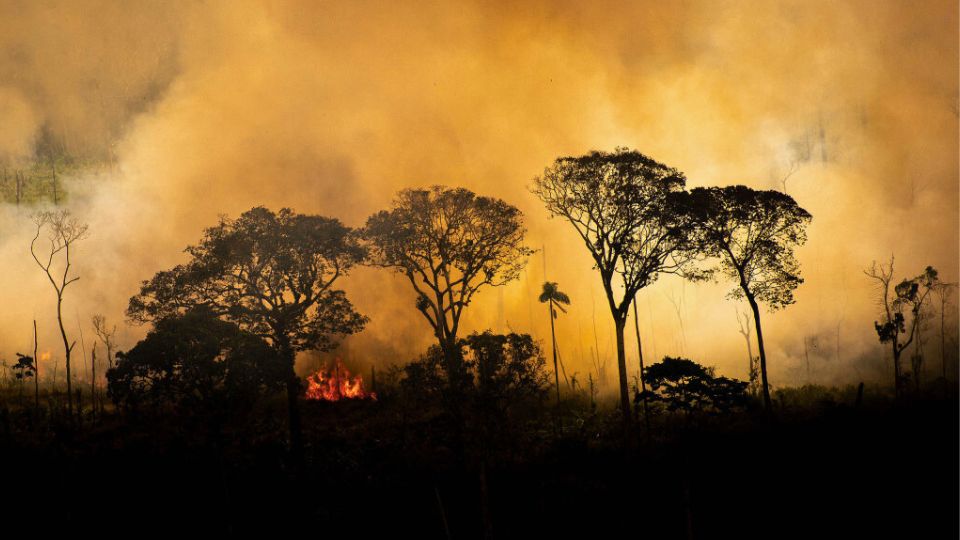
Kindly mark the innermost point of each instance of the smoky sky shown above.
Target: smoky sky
(210, 108)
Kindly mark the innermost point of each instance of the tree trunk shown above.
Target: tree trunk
(643, 384)
(620, 323)
(293, 409)
(36, 370)
(943, 349)
(452, 363)
(93, 381)
(53, 166)
(763, 354)
(896, 369)
(553, 335)
(66, 348)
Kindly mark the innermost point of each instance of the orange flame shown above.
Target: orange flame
(336, 383)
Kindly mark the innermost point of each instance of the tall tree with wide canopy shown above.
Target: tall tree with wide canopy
(753, 234)
(449, 243)
(627, 209)
(273, 275)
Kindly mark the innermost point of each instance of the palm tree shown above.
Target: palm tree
(553, 297)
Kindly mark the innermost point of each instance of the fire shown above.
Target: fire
(45, 356)
(336, 383)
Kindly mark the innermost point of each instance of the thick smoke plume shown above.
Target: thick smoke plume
(197, 109)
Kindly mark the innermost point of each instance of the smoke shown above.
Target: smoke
(209, 108)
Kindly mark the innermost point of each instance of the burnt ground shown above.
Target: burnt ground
(877, 472)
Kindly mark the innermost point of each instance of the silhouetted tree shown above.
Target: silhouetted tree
(63, 231)
(501, 382)
(753, 234)
(501, 373)
(899, 301)
(684, 385)
(753, 369)
(25, 368)
(106, 333)
(449, 243)
(625, 207)
(36, 370)
(272, 274)
(944, 291)
(555, 299)
(196, 364)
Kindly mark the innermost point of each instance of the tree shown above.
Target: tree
(25, 368)
(684, 385)
(63, 231)
(944, 292)
(753, 234)
(626, 208)
(904, 298)
(502, 382)
(554, 298)
(753, 370)
(504, 379)
(273, 275)
(196, 364)
(36, 370)
(105, 332)
(449, 243)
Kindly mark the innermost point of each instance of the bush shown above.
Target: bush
(684, 385)
(196, 364)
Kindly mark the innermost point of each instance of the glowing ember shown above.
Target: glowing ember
(336, 383)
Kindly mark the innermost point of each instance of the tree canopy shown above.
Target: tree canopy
(449, 243)
(628, 210)
(551, 293)
(196, 363)
(752, 234)
(624, 206)
(907, 300)
(500, 371)
(684, 385)
(272, 274)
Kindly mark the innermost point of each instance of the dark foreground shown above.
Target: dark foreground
(838, 471)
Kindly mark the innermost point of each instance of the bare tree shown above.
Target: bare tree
(897, 302)
(106, 333)
(93, 380)
(678, 310)
(63, 231)
(792, 168)
(36, 370)
(53, 176)
(626, 209)
(944, 293)
(753, 369)
(918, 358)
(19, 184)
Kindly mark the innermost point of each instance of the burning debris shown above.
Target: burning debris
(336, 383)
